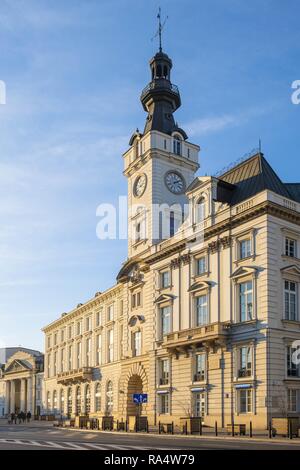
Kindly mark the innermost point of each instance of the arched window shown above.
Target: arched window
(200, 210)
(159, 71)
(177, 145)
(48, 401)
(87, 399)
(62, 401)
(165, 71)
(55, 400)
(109, 398)
(98, 397)
(70, 402)
(78, 401)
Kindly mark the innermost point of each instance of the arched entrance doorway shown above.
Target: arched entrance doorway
(135, 385)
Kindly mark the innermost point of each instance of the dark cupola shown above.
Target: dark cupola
(160, 98)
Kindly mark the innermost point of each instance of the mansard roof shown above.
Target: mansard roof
(251, 177)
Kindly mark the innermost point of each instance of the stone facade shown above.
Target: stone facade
(203, 321)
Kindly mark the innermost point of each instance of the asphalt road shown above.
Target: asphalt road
(30, 437)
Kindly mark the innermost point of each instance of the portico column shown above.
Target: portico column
(29, 395)
(7, 397)
(23, 395)
(12, 396)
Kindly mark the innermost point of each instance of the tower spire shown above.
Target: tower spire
(160, 29)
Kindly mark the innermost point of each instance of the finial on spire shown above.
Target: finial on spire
(160, 29)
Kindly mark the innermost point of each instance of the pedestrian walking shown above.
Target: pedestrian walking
(28, 416)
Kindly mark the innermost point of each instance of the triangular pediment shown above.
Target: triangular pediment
(244, 271)
(134, 319)
(164, 298)
(292, 269)
(200, 285)
(18, 365)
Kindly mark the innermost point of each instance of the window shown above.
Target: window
(188, 153)
(165, 279)
(293, 400)
(89, 323)
(110, 313)
(49, 341)
(293, 369)
(62, 360)
(291, 247)
(98, 318)
(244, 361)
(165, 144)
(87, 399)
(137, 343)
(62, 401)
(62, 335)
(78, 401)
(164, 404)
(70, 403)
(199, 404)
(55, 339)
(200, 367)
(136, 300)
(55, 400)
(165, 313)
(99, 350)
(290, 298)
(177, 145)
(200, 210)
(201, 310)
(79, 328)
(70, 357)
(49, 365)
(245, 248)
(98, 398)
(110, 335)
(55, 363)
(246, 301)
(78, 355)
(164, 372)
(172, 223)
(88, 352)
(70, 331)
(109, 398)
(48, 401)
(245, 400)
(201, 266)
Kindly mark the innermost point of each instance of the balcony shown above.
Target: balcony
(193, 336)
(75, 375)
(199, 377)
(158, 85)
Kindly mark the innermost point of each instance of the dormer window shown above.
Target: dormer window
(177, 145)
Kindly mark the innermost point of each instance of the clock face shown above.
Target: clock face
(140, 185)
(174, 182)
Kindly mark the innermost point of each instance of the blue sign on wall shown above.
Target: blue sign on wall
(140, 398)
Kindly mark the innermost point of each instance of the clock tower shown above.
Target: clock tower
(160, 164)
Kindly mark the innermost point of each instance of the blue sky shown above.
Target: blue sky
(74, 70)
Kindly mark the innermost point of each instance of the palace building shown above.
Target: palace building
(202, 320)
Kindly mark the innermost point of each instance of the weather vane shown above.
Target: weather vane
(160, 28)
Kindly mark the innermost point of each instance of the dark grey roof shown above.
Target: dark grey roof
(251, 177)
(294, 190)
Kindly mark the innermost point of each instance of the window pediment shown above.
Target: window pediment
(136, 319)
(292, 269)
(197, 286)
(244, 271)
(164, 298)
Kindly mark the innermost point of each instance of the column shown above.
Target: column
(12, 396)
(7, 397)
(23, 395)
(29, 395)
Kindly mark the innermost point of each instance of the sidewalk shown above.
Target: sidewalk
(36, 424)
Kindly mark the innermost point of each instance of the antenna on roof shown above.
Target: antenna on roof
(259, 145)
